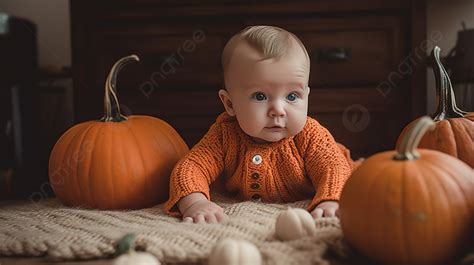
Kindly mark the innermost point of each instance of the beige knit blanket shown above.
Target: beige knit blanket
(48, 228)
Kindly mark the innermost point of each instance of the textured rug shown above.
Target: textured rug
(47, 228)
(59, 233)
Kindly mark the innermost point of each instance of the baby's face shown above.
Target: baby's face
(270, 97)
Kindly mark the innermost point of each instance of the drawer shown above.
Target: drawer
(174, 54)
(191, 113)
(344, 51)
(347, 51)
(171, 103)
(165, 61)
(363, 141)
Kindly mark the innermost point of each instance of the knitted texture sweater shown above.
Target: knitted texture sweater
(307, 165)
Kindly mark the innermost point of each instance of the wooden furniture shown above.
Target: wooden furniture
(367, 72)
(22, 167)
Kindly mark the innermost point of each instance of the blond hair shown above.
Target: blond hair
(270, 41)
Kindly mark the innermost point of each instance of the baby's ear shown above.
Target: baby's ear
(225, 98)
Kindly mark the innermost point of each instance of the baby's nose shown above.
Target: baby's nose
(277, 111)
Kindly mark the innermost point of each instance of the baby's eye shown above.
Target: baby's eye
(259, 96)
(292, 96)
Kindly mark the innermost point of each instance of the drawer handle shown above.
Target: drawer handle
(332, 55)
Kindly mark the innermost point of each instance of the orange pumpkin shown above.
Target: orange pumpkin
(454, 130)
(409, 206)
(116, 162)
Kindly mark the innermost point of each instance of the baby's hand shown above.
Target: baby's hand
(326, 209)
(204, 211)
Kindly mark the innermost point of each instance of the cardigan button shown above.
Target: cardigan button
(256, 197)
(257, 159)
(255, 186)
(255, 176)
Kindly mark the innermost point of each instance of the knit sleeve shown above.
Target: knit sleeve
(325, 164)
(197, 169)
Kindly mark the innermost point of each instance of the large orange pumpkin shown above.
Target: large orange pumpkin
(116, 162)
(454, 130)
(409, 206)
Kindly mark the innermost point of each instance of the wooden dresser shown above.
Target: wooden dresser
(367, 72)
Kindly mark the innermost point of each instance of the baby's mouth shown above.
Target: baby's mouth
(275, 128)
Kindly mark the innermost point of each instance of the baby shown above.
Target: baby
(264, 147)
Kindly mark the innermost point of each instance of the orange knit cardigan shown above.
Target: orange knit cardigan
(308, 165)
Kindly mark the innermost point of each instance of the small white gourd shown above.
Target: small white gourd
(131, 257)
(294, 223)
(235, 252)
(136, 258)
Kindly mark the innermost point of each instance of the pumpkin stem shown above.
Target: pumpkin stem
(447, 107)
(451, 96)
(407, 149)
(111, 103)
(125, 244)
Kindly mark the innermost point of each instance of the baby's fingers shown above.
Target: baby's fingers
(221, 217)
(317, 213)
(199, 219)
(330, 212)
(187, 219)
(210, 218)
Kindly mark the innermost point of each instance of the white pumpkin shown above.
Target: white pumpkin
(136, 258)
(294, 223)
(235, 252)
